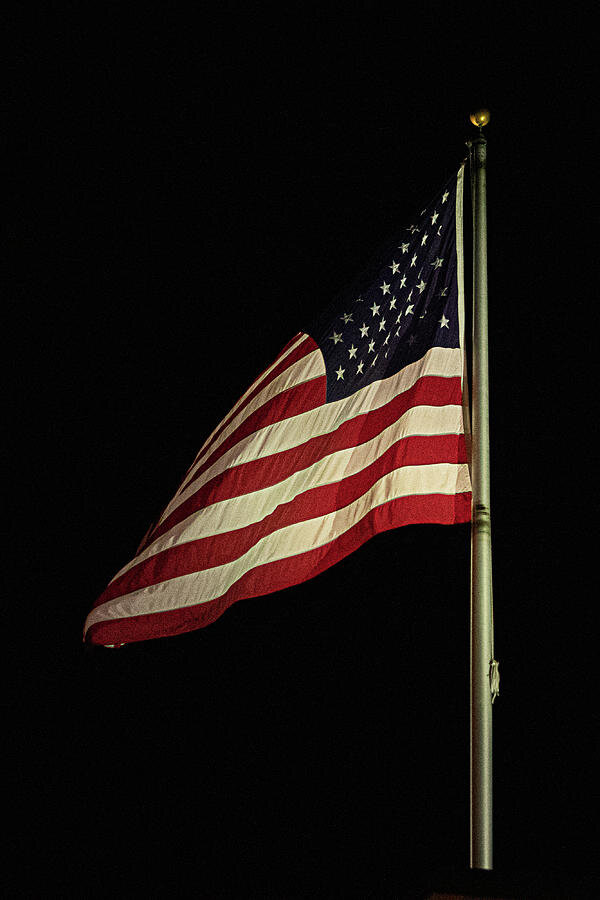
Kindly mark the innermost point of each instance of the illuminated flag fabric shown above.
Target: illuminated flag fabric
(357, 427)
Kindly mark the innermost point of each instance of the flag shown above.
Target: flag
(357, 427)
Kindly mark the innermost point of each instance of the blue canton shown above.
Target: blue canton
(406, 303)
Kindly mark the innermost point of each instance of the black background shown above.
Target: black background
(191, 189)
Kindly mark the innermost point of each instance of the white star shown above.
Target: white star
(412, 229)
(352, 351)
(382, 325)
(397, 332)
(347, 317)
(439, 231)
(413, 260)
(437, 263)
(434, 217)
(403, 281)
(445, 197)
(444, 321)
(394, 267)
(385, 288)
(424, 239)
(398, 319)
(375, 358)
(409, 309)
(443, 292)
(371, 346)
(404, 248)
(340, 373)
(360, 367)
(422, 285)
(393, 303)
(374, 309)
(410, 295)
(364, 330)
(336, 338)
(358, 300)
(387, 337)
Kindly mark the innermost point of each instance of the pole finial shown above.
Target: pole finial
(480, 117)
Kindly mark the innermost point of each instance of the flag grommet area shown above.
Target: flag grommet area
(356, 428)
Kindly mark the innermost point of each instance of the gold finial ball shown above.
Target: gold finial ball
(480, 118)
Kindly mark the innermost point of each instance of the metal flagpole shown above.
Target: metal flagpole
(483, 666)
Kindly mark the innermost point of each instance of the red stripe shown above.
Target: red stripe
(307, 346)
(251, 476)
(215, 550)
(270, 577)
(288, 403)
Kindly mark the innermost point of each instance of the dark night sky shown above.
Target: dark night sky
(221, 174)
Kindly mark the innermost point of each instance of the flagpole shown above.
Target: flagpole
(481, 543)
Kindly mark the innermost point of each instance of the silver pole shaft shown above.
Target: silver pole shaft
(481, 539)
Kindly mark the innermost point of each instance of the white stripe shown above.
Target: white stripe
(301, 337)
(305, 369)
(201, 587)
(289, 433)
(239, 512)
(460, 280)
(460, 262)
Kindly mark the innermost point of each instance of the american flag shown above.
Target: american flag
(356, 427)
